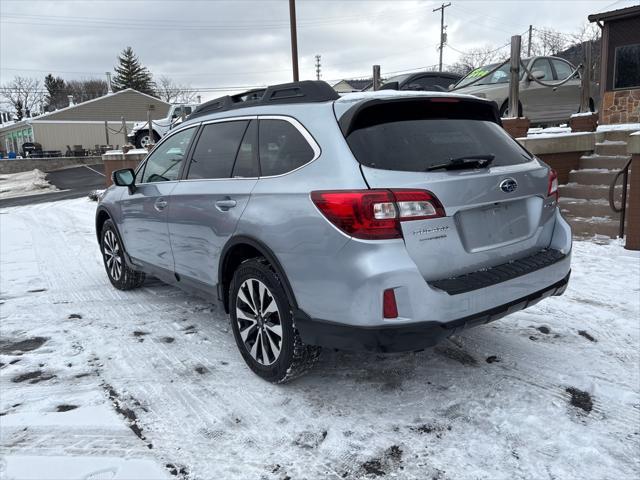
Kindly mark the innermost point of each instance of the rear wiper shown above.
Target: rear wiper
(466, 161)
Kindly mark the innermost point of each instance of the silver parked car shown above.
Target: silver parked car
(380, 221)
(542, 105)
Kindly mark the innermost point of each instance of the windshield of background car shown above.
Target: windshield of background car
(397, 78)
(413, 136)
(501, 75)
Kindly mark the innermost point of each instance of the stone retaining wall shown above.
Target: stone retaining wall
(620, 106)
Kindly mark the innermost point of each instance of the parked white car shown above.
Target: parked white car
(139, 135)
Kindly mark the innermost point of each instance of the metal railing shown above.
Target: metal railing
(622, 210)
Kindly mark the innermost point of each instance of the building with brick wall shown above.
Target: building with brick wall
(620, 65)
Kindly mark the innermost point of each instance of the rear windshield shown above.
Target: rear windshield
(414, 144)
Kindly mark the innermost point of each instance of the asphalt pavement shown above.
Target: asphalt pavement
(72, 182)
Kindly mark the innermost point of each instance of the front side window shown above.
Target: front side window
(627, 67)
(164, 163)
(543, 65)
(216, 150)
(282, 147)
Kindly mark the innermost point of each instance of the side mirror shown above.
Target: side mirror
(451, 85)
(390, 86)
(538, 74)
(125, 177)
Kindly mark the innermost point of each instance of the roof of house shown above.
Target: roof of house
(618, 14)
(128, 103)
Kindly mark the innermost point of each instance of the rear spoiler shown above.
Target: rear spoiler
(382, 110)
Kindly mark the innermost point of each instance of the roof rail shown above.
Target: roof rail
(306, 91)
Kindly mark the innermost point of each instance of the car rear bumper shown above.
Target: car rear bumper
(413, 336)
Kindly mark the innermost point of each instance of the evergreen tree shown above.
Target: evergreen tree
(131, 74)
(19, 110)
(56, 93)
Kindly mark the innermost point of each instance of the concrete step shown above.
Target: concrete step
(592, 177)
(613, 135)
(578, 207)
(588, 192)
(611, 148)
(608, 162)
(588, 227)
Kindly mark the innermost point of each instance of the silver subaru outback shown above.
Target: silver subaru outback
(379, 221)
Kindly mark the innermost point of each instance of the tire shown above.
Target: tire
(504, 110)
(142, 138)
(267, 316)
(120, 275)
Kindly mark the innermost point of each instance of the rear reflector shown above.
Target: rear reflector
(376, 214)
(389, 306)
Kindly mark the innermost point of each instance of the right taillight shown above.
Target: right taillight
(376, 214)
(553, 184)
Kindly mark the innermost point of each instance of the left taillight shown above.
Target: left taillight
(553, 184)
(376, 214)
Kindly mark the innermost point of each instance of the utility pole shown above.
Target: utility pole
(529, 42)
(443, 36)
(318, 67)
(376, 77)
(109, 89)
(294, 39)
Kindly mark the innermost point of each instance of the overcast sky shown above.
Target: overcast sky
(217, 44)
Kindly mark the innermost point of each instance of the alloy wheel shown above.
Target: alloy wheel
(259, 322)
(145, 140)
(112, 255)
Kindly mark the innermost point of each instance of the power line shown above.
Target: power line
(182, 25)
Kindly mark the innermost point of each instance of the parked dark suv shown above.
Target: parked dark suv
(420, 81)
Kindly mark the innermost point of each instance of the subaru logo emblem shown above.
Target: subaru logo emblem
(508, 185)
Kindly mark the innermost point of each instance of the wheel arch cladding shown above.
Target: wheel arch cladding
(101, 216)
(237, 250)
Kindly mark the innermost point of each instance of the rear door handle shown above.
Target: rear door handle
(160, 204)
(226, 204)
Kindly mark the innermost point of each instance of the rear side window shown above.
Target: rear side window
(563, 69)
(411, 138)
(216, 150)
(282, 147)
(247, 159)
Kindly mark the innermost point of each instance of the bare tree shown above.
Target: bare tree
(171, 92)
(476, 57)
(548, 42)
(23, 94)
(86, 89)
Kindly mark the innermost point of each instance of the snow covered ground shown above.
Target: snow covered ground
(101, 384)
(24, 183)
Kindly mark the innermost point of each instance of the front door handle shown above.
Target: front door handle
(160, 204)
(226, 204)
